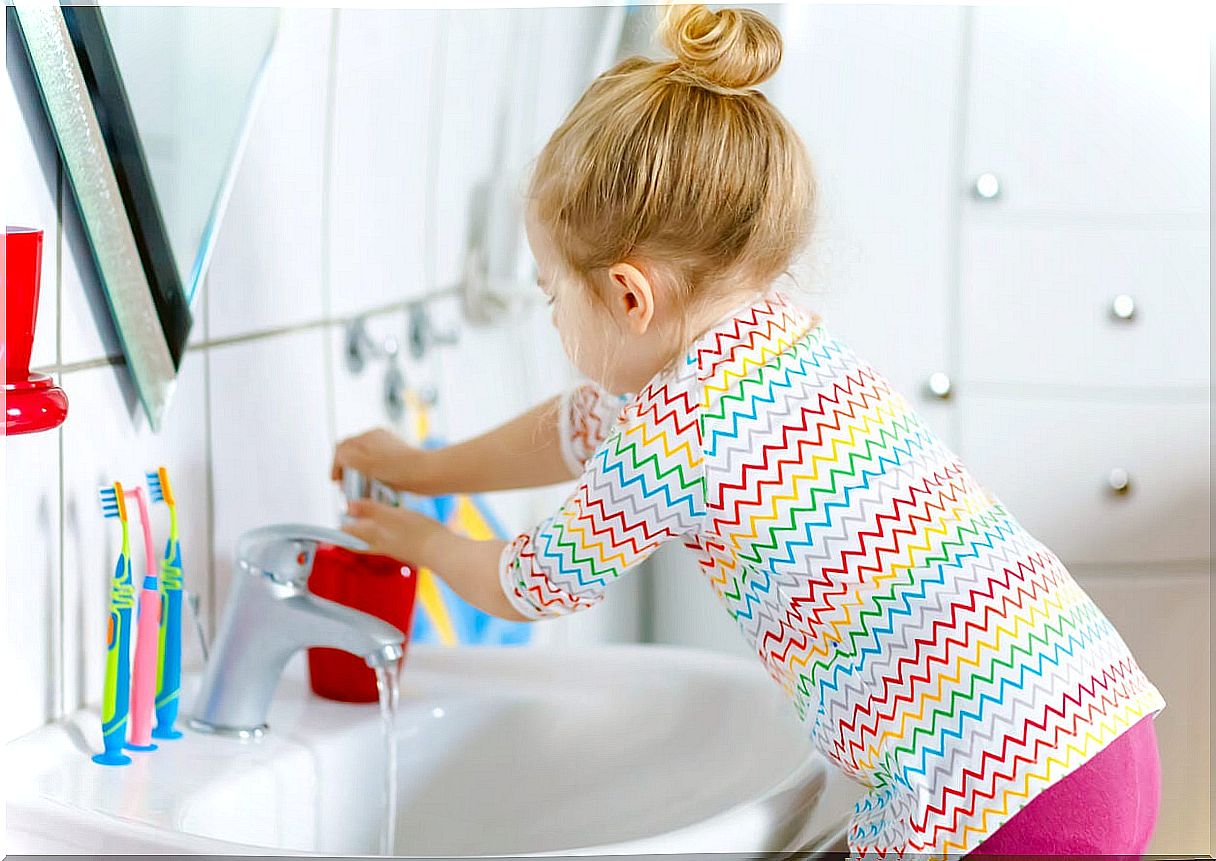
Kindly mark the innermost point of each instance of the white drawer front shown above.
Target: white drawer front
(1078, 111)
(1042, 305)
(1051, 463)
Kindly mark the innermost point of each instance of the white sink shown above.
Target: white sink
(611, 750)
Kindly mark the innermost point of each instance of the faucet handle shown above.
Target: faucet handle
(284, 552)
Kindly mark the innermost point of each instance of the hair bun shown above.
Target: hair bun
(732, 49)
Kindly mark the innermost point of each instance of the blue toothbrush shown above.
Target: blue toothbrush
(169, 668)
(116, 704)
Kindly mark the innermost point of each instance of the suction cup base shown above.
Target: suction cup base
(140, 747)
(166, 732)
(111, 757)
(33, 404)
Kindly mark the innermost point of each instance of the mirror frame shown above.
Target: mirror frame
(85, 100)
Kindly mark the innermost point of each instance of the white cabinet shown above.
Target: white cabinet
(1084, 336)
(1078, 304)
(1090, 110)
(1097, 481)
(872, 92)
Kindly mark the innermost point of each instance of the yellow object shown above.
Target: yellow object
(428, 594)
(470, 522)
(431, 599)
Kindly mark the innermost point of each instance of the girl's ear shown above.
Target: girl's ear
(632, 296)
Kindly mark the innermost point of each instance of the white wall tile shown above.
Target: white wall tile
(472, 92)
(383, 116)
(31, 518)
(266, 268)
(106, 439)
(271, 448)
(31, 181)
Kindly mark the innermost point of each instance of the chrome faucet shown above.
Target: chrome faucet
(270, 616)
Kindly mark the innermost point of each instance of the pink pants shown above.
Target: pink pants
(1106, 807)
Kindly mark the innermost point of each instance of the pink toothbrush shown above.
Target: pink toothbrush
(147, 642)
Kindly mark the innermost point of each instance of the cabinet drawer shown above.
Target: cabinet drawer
(1040, 305)
(1051, 462)
(1077, 111)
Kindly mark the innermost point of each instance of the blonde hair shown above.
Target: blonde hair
(681, 166)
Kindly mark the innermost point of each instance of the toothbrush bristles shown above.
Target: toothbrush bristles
(159, 486)
(111, 503)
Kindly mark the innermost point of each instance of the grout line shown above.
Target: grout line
(430, 203)
(327, 177)
(432, 366)
(60, 660)
(208, 609)
(88, 364)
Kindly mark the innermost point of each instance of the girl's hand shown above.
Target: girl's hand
(469, 566)
(397, 532)
(382, 455)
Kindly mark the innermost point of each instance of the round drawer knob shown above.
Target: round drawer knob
(987, 186)
(1118, 480)
(939, 384)
(1123, 307)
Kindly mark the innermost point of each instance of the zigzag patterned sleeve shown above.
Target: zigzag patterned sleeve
(585, 415)
(642, 486)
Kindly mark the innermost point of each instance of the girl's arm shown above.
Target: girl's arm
(524, 452)
(546, 445)
(469, 566)
(644, 486)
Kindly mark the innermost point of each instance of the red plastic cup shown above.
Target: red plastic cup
(378, 585)
(32, 401)
(22, 278)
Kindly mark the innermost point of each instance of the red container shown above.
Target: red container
(32, 401)
(378, 585)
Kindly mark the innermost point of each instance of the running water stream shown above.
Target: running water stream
(387, 685)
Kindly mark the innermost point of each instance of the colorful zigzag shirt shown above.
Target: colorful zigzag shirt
(940, 654)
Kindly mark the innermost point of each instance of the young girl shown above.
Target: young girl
(941, 655)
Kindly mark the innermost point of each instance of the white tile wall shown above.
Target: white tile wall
(384, 88)
(269, 458)
(264, 390)
(475, 41)
(31, 506)
(266, 270)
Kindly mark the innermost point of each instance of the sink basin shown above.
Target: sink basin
(611, 750)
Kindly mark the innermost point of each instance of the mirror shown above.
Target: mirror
(149, 106)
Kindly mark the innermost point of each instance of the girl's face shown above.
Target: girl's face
(590, 333)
